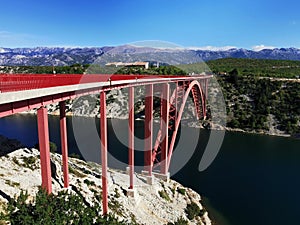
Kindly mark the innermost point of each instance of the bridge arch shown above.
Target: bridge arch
(197, 91)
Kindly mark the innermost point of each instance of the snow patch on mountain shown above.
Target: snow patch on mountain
(60, 56)
(213, 48)
(258, 48)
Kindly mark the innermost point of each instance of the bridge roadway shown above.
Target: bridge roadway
(20, 92)
(19, 95)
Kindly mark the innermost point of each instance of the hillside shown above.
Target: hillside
(261, 104)
(261, 95)
(256, 67)
(160, 203)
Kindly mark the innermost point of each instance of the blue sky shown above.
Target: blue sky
(188, 23)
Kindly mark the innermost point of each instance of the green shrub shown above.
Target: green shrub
(74, 155)
(117, 194)
(76, 172)
(181, 191)
(163, 194)
(12, 184)
(29, 162)
(16, 161)
(59, 209)
(88, 182)
(179, 221)
(52, 146)
(192, 210)
(115, 206)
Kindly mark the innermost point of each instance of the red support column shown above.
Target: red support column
(131, 135)
(148, 129)
(43, 132)
(103, 127)
(64, 142)
(205, 98)
(176, 100)
(164, 128)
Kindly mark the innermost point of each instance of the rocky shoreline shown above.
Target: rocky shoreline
(272, 133)
(159, 203)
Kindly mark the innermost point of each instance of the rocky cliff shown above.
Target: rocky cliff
(159, 203)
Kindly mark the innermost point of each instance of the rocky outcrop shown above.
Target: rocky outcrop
(159, 203)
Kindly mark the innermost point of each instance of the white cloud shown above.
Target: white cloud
(258, 48)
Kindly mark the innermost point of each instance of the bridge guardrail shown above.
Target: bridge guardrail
(21, 82)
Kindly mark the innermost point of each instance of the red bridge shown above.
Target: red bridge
(21, 92)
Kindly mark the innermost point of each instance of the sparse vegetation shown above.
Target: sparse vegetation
(89, 182)
(76, 172)
(181, 191)
(29, 162)
(16, 161)
(115, 206)
(75, 156)
(250, 101)
(52, 146)
(173, 189)
(85, 171)
(163, 194)
(97, 194)
(12, 183)
(117, 194)
(153, 70)
(51, 209)
(192, 210)
(256, 67)
(179, 221)
(254, 101)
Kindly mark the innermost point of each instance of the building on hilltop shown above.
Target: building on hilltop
(118, 64)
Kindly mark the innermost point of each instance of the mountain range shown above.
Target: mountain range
(59, 56)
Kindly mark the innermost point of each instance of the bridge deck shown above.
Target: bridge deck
(12, 91)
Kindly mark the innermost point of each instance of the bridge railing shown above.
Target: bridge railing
(10, 83)
(21, 82)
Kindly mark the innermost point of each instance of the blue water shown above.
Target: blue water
(254, 180)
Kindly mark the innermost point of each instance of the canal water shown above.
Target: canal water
(254, 180)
